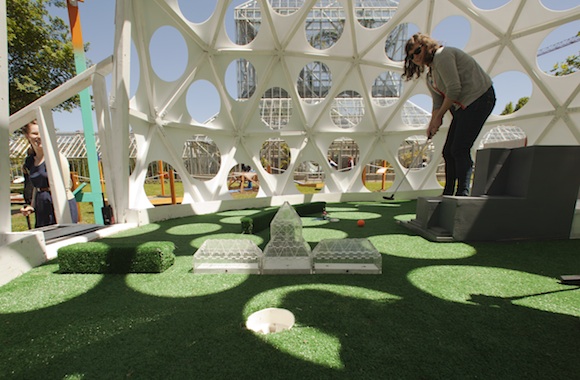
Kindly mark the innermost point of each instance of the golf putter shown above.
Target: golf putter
(420, 154)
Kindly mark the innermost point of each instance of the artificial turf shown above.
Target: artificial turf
(438, 311)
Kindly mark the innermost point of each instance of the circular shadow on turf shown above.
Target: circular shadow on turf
(232, 220)
(353, 215)
(293, 341)
(184, 284)
(309, 221)
(194, 229)
(340, 209)
(237, 212)
(405, 217)
(378, 204)
(496, 287)
(141, 230)
(315, 235)
(415, 247)
(48, 289)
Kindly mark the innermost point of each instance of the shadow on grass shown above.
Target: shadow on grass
(410, 322)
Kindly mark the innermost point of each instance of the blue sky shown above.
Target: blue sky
(97, 19)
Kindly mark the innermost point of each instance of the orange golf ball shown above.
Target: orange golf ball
(360, 223)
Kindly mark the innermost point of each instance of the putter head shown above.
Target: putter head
(390, 197)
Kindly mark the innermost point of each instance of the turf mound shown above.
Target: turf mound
(98, 257)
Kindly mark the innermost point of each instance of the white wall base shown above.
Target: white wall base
(19, 253)
(22, 251)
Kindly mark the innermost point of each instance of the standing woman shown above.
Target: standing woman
(37, 193)
(457, 84)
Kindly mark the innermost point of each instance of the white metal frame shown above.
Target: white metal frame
(502, 39)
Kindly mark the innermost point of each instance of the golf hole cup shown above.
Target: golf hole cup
(270, 320)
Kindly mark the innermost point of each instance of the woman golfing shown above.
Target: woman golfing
(457, 84)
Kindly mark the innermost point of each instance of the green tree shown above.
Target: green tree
(509, 108)
(40, 52)
(521, 102)
(569, 66)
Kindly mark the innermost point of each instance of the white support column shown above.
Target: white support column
(118, 139)
(19, 251)
(53, 165)
(103, 114)
(5, 216)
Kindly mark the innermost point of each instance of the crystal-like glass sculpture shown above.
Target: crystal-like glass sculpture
(287, 251)
(346, 256)
(228, 256)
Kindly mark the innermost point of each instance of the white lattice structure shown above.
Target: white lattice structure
(503, 39)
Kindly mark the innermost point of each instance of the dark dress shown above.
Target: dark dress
(37, 177)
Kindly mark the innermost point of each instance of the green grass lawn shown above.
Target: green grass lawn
(86, 209)
(438, 311)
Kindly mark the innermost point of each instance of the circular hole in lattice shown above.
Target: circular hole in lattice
(168, 60)
(243, 22)
(378, 175)
(513, 89)
(558, 55)
(275, 155)
(395, 43)
(197, 11)
(559, 5)
(309, 177)
(347, 109)
(371, 16)
(201, 157)
(345, 154)
(325, 24)
(241, 79)
(285, 7)
(314, 82)
(415, 152)
(415, 111)
(275, 108)
(453, 31)
(243, 182)
(488, 5)
(163, 185)
(203, 101)
(386, 88)
(504, 136)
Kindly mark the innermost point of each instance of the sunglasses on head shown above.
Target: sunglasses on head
(410, 56)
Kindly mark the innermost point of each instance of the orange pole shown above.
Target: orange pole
(172, 186)
(161, 176)
(364, 176)
(101, 174)
(384, 176)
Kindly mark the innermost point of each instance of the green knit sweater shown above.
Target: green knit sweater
(456, 75)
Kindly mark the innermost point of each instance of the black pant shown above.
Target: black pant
(463, 131)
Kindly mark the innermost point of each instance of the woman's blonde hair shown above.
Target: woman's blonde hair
(26, 128)
(412, 70)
